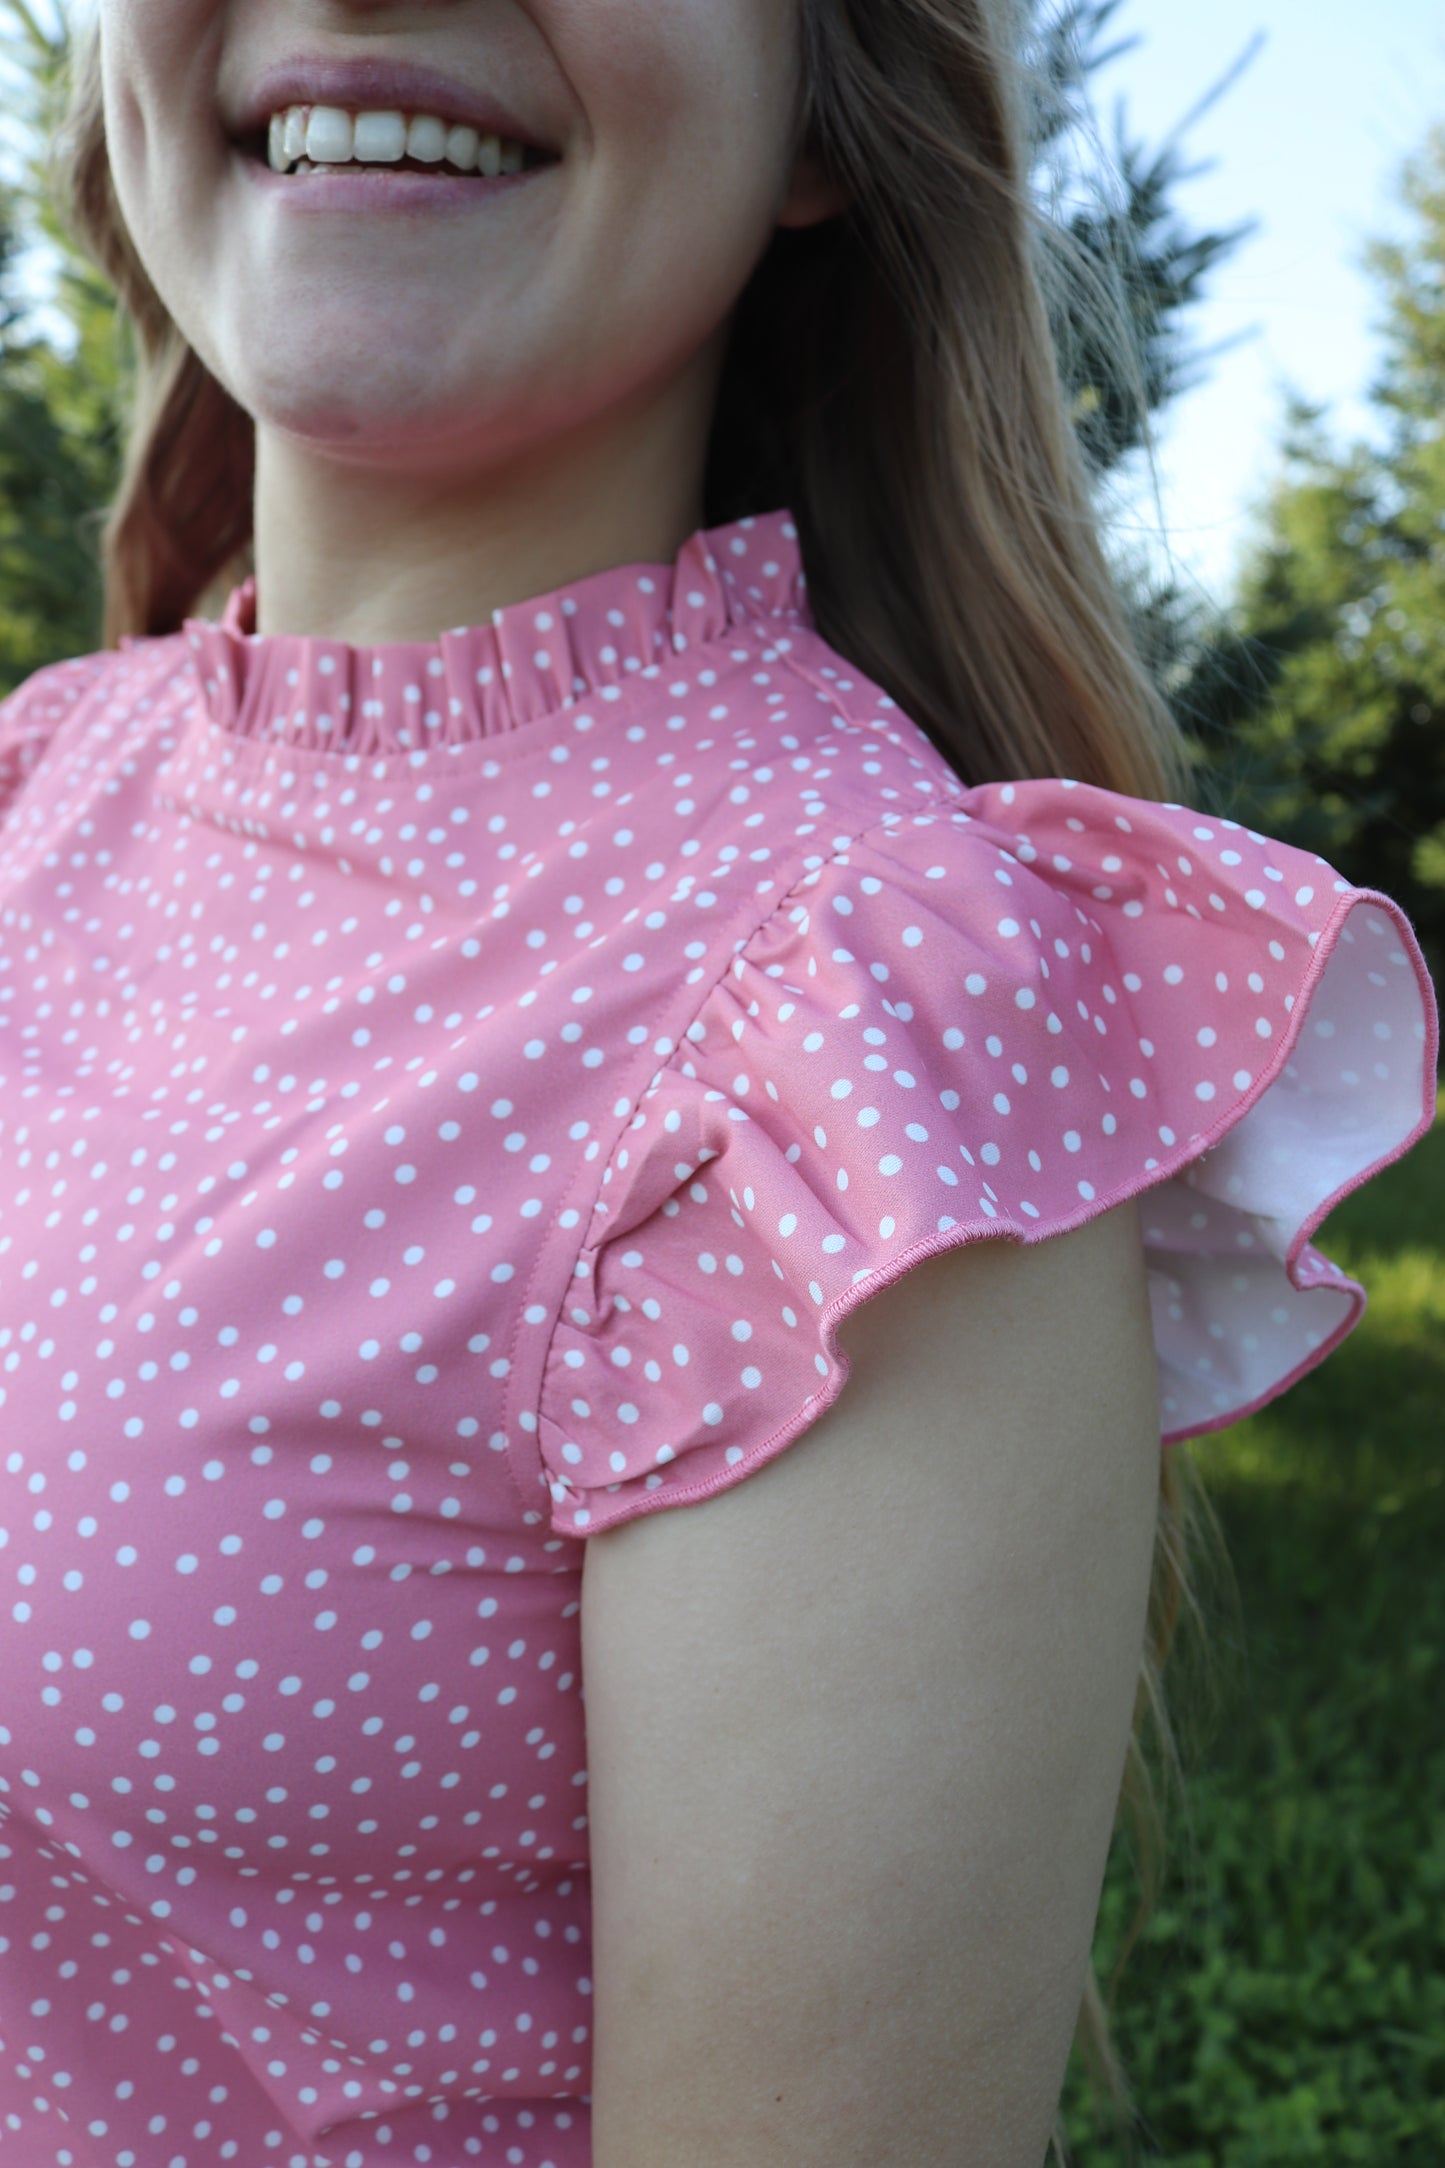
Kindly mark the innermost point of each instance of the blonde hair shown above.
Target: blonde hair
(892, 377)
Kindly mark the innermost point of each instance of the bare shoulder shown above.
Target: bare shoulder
(856, 1730)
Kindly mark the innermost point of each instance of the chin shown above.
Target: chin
(418, 409)
(394, 419)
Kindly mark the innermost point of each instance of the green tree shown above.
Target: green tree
(59, 452)
(61, 404)
(1319, 704)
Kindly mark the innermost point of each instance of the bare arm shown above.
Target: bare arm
(856, 1730)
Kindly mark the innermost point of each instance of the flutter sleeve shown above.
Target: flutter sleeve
(998, 1019)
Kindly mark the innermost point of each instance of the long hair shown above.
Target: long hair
(892, 377)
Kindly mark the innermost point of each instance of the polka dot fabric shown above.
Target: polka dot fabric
(996, 1018)
(449, 1095)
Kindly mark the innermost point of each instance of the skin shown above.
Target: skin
(457, 412)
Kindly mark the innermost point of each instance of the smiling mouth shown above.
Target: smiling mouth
(256, 148)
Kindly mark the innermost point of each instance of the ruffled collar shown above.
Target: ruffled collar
(579, 643)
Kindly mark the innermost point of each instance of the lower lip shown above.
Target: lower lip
(381, 189)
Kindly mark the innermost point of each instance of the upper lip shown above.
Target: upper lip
(373, 84)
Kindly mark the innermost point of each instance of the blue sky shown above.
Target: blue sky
(1310, 141)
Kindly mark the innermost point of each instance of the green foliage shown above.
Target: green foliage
(1286, 2003)
(1319, 707)
(61, 408)
(60, 445)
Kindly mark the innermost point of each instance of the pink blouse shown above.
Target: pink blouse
(450, 1096)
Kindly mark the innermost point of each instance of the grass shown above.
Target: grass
(1286, 2003)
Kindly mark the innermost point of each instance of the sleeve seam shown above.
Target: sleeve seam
(714, 981)
(830, 693)
(952, 789)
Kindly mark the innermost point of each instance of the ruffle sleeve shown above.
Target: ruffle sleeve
(998, 1019)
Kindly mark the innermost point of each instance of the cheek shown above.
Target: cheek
(159, 63)
(687, 133)
(710, 82)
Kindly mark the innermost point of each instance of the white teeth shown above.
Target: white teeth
(461, 148)
(380, 139)
(329, 136)
(308, 137)
(426, 140)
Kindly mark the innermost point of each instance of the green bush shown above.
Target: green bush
(1286, 2004)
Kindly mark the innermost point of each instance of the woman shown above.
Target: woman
(512, 1017)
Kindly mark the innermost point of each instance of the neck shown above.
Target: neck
(375, 553)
